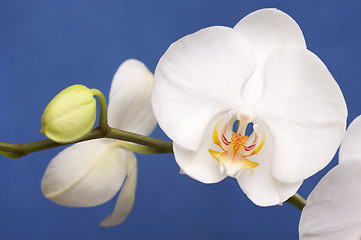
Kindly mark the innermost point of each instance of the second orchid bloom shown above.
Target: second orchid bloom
(259, 75)
(333, 209)
(91, 173)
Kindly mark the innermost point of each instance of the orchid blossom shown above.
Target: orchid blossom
(333, 209)
(258, 75)
(90, 173)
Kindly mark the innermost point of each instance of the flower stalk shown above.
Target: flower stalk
(297, 201)
(103, 121)
(18, 150)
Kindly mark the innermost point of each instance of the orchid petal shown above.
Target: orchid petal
(304, 109)
(125, 199)
(85, 174)
(200, 164)
(260, 186)
(350, 146)
(267, 30)
(198, 77)
(333, 209)
(130, 98)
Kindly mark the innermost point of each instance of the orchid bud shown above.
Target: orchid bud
(70, 115)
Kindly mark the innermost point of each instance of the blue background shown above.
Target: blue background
(46, 46)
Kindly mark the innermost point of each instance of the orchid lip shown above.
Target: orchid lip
(234, 150)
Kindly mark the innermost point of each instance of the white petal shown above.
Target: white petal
(200, 164)
(350, 146)
(305, 111)
(126, 196)
(85, 174)
(130, 98)
(198, 77)
(261, 187)
(266, 30)
(269, 29)
(333, 209)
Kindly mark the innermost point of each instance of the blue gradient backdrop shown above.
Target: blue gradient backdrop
(46, 46)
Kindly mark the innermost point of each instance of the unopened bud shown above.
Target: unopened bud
(70, 116)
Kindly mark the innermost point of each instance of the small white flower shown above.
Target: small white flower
(333, 209)
(258, 73)
(91, 173)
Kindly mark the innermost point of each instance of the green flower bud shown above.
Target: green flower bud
(70, 115)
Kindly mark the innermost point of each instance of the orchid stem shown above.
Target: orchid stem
(297, 201)
(103, 121)
(18, 150)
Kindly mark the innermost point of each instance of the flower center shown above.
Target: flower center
(232, 159)
(238, 141)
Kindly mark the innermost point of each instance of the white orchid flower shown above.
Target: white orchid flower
(91, 173)
(333, 209)
(259, 72)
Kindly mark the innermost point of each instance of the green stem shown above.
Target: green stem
(103, 121)
(18, 150)
(159, 145)
(137, 148)
(297, 201)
